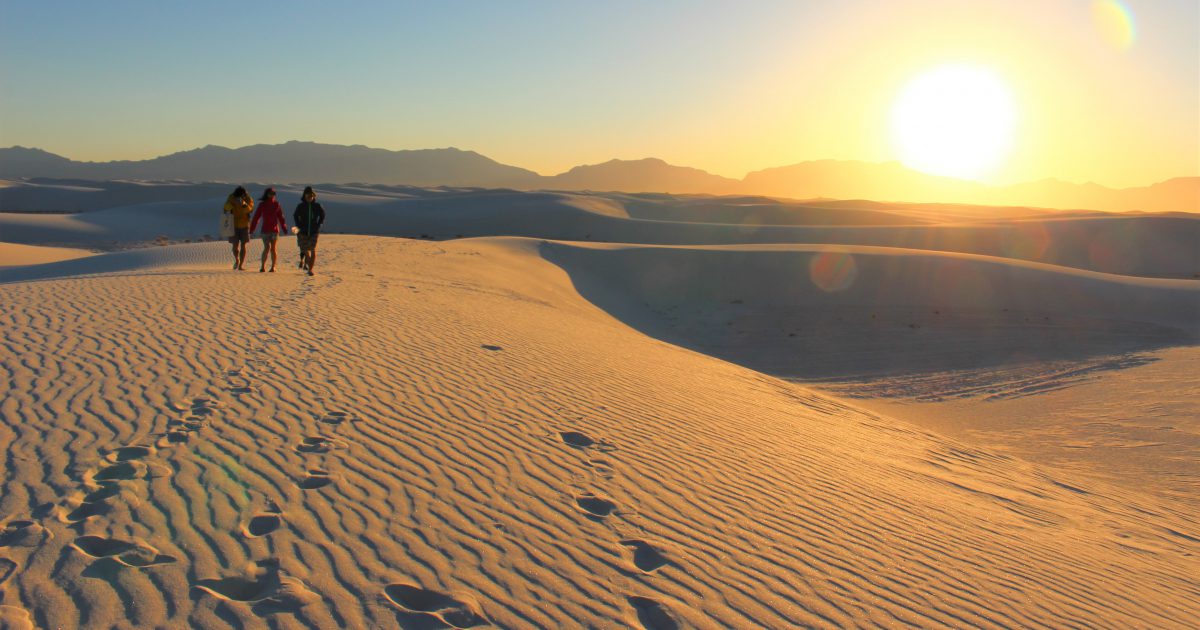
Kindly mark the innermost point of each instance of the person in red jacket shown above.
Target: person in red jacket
(271, 214)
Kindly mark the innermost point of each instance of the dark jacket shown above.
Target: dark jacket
(309, 217)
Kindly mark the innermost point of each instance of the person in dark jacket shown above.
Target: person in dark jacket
(307, 219)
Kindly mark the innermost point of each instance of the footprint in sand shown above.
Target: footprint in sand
(107, 490)
(88, 510)
(335, 417)
(237, 588)
(191, 424)
(582, 441)
(652, 614)
(434, 606)
(122, 471)
(645, 557)
(595, 507)
(129, 553)
(130, 453)
(316, 479)
(491, 348)
(171, 438)
(7, 569)
(201, 406)
(576, 439)
(23, 533)
(268, 588)
(316, 444)
(262, 525)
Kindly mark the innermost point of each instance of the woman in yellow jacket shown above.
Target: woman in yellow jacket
(240, 205)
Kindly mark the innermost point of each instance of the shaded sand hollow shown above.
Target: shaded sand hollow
(450, 435)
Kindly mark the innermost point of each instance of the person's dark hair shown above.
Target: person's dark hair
(309, 191)
(239, 192)
(267, 194)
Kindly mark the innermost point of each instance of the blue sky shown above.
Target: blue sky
(725, 86)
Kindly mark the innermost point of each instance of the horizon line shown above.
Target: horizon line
(616, 159)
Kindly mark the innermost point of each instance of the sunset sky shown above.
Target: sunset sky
(1088, 91)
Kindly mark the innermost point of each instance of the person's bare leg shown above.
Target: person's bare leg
(262, 264)
(274, 256)
(233, 244)
(312, 260)
(241, 255)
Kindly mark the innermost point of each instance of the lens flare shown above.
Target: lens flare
(832, 271)
(1026, 241)
(1114, 20)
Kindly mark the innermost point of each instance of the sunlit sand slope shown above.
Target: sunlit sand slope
(12, 255)
(446, 434)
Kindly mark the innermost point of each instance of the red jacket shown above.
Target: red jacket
(272, 217)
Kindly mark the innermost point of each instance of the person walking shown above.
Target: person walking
(307, 219)
(271, 214)
(240, 205)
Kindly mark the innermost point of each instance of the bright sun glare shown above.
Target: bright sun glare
(954, 120)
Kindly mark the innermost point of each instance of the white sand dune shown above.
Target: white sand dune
(13, 254)
(142, 261)
(1111, 243)
(450, 435)
(832, 311)
(42, 195)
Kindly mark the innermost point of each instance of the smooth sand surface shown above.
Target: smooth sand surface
(15, 255)
(449, 435)
(1131, 420)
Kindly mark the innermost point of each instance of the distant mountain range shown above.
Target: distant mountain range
(309, 162)
(281, 163)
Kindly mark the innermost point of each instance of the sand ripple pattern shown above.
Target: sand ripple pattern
(447, 435)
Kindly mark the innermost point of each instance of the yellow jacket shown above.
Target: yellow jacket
(240, 209)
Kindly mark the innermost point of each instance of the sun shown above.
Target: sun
(955, 120)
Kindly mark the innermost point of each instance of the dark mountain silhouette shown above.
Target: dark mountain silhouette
(647, 175)
(1181, 194)
(16, 162)
(305, 162)
(281, 163)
